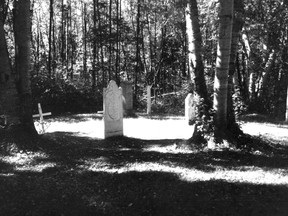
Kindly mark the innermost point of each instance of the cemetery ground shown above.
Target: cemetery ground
(72, 170)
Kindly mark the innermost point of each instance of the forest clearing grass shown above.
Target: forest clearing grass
(71, 170)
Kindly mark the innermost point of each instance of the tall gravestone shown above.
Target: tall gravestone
(190, 109)
(127, 92)
(113, 110)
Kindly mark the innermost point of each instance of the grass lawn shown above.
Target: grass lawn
(71, 170)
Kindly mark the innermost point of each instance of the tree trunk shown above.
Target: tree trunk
(94, 45)
(50, 39)
(263, 90)
(236, 30)
(138, 60)
(117, 63)
(70, 49)
(9, 100)
(195, 64)
(286, 118)
(110, 41)
(63, 36)
(222, 67)
(85, 40)
(195, 50)
(101, 46)
(22, 32)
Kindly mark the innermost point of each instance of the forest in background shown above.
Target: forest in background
(78, 46)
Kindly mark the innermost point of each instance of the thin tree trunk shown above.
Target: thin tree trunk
(138, 60)
(85, 40)
(286, 118)
(150, 50)
(101, 46)
(265, 78)
(236, 30)
(70, 49)
(94, 45)
(222, 67)
(110, 40)
(50, 38)
(63, 36)
(117, 78)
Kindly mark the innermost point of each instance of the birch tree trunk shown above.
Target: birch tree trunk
(222, 67)
(195, 49)
(195, 64)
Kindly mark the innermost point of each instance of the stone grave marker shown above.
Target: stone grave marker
(113, 110)
(148, 99)
(190, 109)
(127, 92)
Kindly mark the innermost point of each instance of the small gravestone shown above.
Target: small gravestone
(190, 109)
(113, 110)
(148, 99)
(127, 91)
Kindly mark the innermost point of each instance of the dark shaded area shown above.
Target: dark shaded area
(62, 96)
(68, 190)
(146, 193)
(255, 117)
(72, 118)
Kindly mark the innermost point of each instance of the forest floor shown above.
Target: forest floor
(72, 170)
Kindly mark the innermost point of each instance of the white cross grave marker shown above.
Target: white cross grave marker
(41, 115)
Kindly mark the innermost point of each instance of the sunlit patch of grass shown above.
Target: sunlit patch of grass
(269, 131)
(172, 149)
(27, 161)
(6, 174)
(251, 175)
(142, 128)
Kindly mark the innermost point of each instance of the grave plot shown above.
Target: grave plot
(110, 122)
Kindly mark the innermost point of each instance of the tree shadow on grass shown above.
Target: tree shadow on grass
(134, 193)
(69, 152)
(116, 177)
(122, 150)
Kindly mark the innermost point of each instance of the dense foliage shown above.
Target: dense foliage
(64, 96)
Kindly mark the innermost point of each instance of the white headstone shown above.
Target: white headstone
(190, 108)
(148, 99)
(113, 110)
